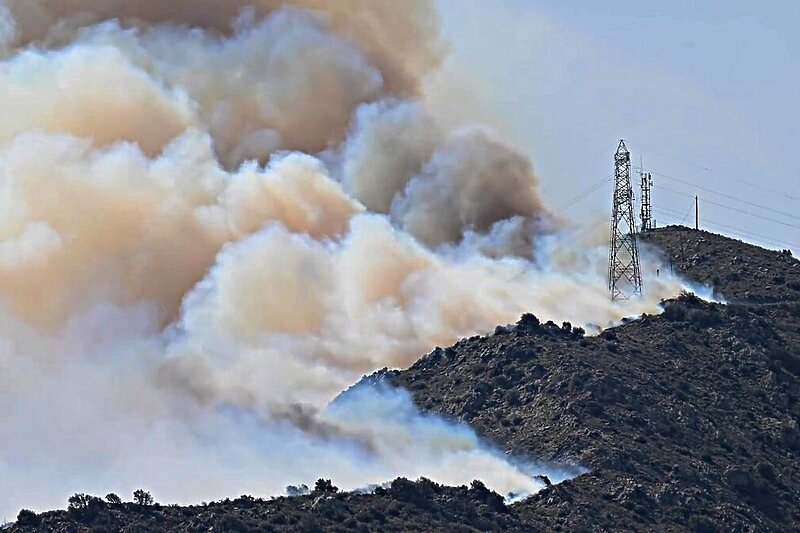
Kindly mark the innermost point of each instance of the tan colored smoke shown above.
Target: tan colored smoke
(289, 85)
(399, 37)
(83, 225)
(213, 220)
(287, 82)
(374, 299)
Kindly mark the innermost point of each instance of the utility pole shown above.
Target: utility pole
(624, 274)
(696, 212)
(647, 208)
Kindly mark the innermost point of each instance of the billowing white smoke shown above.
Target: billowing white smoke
(217, 215)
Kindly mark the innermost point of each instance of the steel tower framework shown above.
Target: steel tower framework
(647, 208)
(624, 274)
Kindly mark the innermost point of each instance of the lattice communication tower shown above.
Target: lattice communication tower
(647, 208)
(624, 274)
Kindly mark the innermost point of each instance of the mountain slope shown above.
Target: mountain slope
(738, 271)
(685, 421)
(690, 414)
(689, 418)
(402, 506)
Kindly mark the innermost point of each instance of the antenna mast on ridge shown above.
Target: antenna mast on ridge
(624, 274)
(647, 209)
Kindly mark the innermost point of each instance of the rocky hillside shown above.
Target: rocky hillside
(736, 270)
(401, 506)
(686, 421)
(688, 418)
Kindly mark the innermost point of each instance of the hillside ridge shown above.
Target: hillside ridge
(686, 420)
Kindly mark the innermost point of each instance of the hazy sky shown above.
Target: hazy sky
(707, 92)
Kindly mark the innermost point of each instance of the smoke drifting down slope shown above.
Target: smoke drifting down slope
(214, 219)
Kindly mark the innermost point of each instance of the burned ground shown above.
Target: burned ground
(686, 421)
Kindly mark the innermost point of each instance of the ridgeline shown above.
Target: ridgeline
(687, 420)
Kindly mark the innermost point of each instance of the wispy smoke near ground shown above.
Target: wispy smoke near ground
(216, 216)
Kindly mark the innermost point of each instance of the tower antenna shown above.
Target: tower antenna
(647, 209)
(624, 274)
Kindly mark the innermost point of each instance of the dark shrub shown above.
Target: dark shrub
(739, 310)
(529, 321)
(79, 502)
(512, 397)
(308, 524)
(113, 499)
(675, 312)
(27, 518)
(479, 491)
(609, 335)
(778, 355)
(141, 497)
(85, 507)
(593, 408)
(231, 523)
(478, 486)
(701, 524)
(324, 486)
(419, 494)
(690, 299)
(766, 471)
(705, 318)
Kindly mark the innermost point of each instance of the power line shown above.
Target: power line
(673, 157)
(721, 174)
(727, 195)
(683, 215)
(667, 210)
(544, 186)
(754, 235)
(587, 192)
(724, 206)
(736, 232)
(744, 234)
(688, 210)
(712, 202)
(675, 211)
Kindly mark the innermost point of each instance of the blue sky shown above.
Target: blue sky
(707, 92)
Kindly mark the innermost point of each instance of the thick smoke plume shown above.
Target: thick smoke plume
(217, 215)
